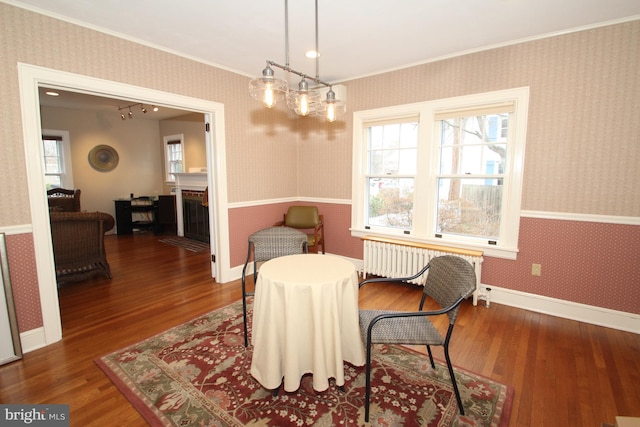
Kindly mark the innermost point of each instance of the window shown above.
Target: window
(173, 156)
(57, 159)
(391, 172)
(446, 171)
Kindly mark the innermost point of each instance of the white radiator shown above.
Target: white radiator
(397, 258)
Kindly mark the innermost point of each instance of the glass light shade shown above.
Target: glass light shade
(268, 89)
(333, 108)
(304, 101)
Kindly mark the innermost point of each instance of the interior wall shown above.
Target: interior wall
(139, 169)
(582, 152)
(582, 148)
(31, 38)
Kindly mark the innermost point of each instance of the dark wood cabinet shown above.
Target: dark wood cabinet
(166, 222)
(124, 223)
(143, 213)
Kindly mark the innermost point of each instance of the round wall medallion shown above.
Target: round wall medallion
(103, 158)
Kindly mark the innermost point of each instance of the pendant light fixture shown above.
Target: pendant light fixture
(305, 101)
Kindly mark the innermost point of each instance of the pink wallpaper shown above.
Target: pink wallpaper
(585, 262)
(24, 281)
(337, 219)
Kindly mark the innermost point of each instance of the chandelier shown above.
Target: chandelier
(305, 101)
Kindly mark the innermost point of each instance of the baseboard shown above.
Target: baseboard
(554, 307)
(32, 340)
(566, 309)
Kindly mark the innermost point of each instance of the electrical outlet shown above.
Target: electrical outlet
(536, 269)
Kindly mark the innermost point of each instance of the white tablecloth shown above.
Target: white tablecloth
(305, 320)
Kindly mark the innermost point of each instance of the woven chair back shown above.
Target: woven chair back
(275, 242)
(450, 277)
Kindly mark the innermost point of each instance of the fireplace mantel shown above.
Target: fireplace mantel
(187, 181)
(191, 181)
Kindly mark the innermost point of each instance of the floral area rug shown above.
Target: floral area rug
(197, 374)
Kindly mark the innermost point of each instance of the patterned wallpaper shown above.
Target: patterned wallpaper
(585, 262)
(22, 268)
(253, 136)
(582, 147)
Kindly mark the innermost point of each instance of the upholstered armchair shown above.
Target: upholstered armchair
(308, 219)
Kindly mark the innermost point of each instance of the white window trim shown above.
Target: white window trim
(508, 245)
(67, 175)
(166, 140)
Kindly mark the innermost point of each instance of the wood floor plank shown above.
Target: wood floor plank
(564, 372)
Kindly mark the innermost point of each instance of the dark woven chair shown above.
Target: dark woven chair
(63, 200)
(78, 244)
(264, 245)
(450, 280)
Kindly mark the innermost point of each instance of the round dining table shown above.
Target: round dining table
(305, 321)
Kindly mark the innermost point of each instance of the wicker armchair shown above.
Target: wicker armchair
(267, 244)
(63, 200)
(78, 244)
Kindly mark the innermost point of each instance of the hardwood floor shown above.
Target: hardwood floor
(565, 373)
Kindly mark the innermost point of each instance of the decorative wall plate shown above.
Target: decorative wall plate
(103, 158)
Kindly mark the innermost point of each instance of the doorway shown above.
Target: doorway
(31, 78)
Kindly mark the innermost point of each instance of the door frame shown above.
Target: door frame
(30, 79)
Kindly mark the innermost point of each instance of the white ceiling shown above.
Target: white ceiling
(356, 37)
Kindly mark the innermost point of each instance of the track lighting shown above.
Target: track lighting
(130, 113)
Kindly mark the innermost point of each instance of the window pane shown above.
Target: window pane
(392, 149)
(473, 159)
(469, 207)
(390, 202)
(52, 156)
(174, 160)
(471, 145)
(52, 181)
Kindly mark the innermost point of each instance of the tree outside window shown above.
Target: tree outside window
(444, 171)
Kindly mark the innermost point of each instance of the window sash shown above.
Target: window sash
(173, 156)
(490, 171)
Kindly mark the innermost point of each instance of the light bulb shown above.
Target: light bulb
(304, 105)
(331, 113)
(268, 99)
